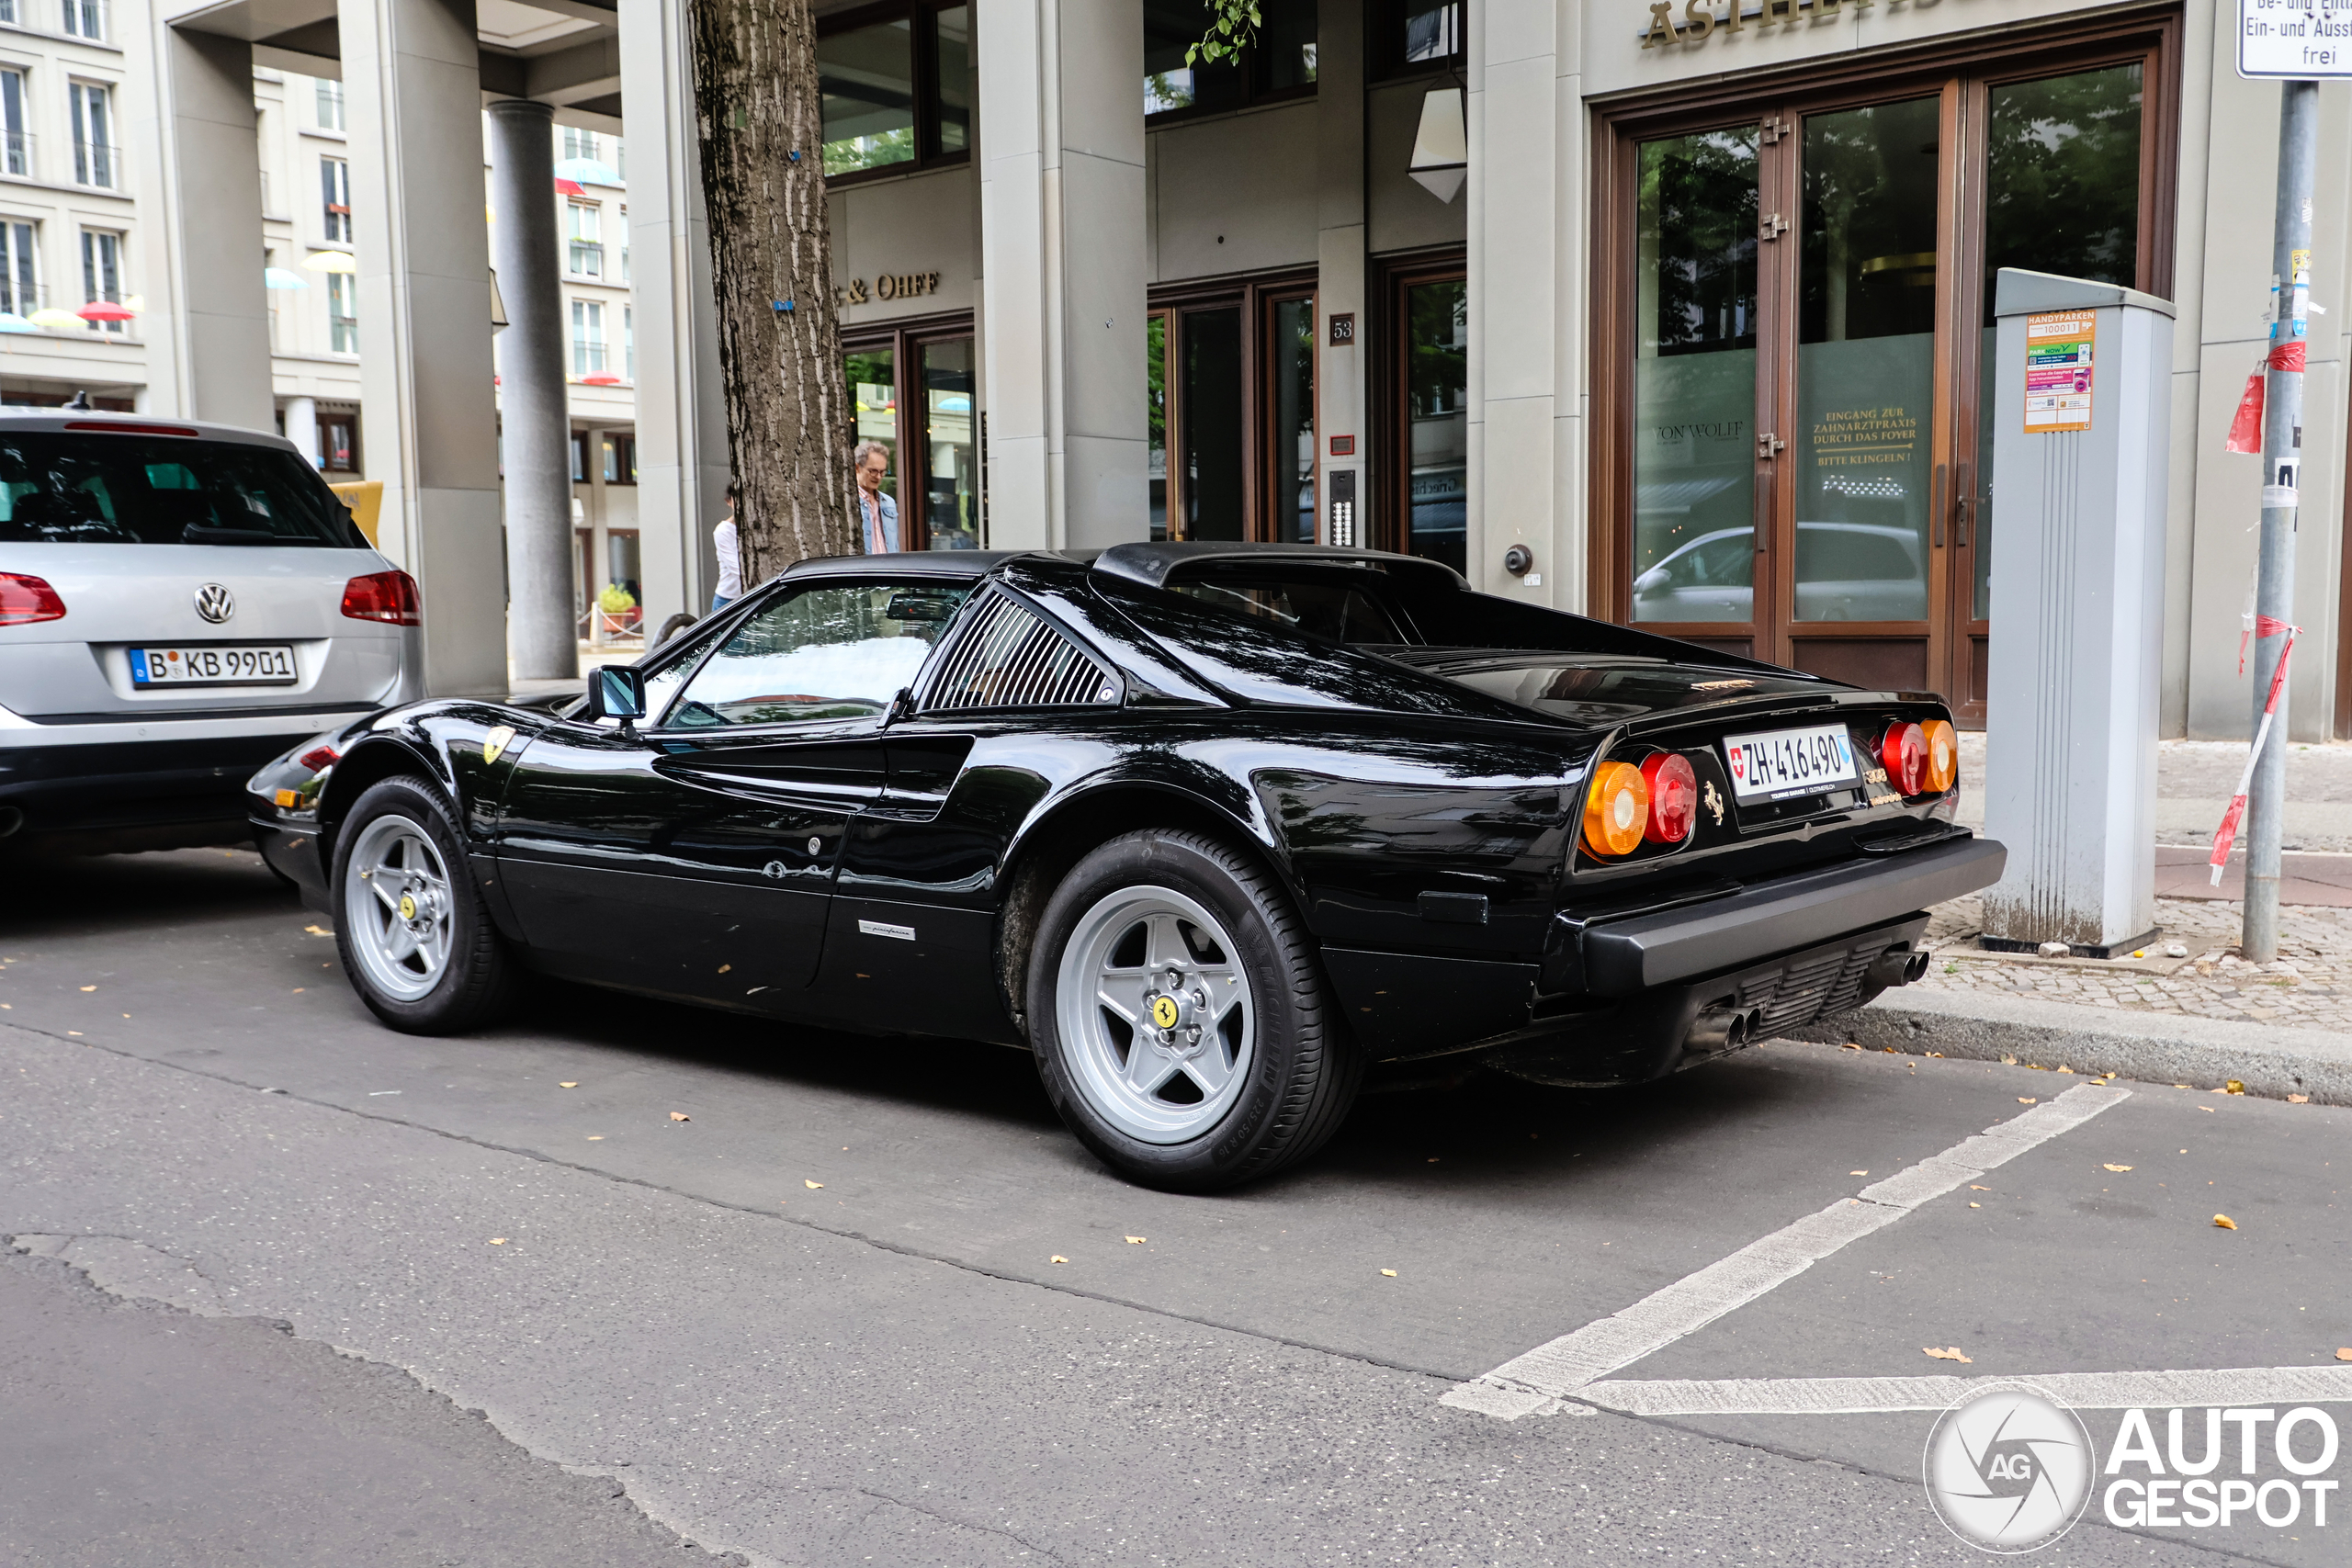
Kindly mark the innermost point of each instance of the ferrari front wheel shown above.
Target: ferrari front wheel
(1179, 1017)
(416, 941)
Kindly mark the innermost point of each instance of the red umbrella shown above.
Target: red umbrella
(104, 311)
(570, 187)
(601, 378)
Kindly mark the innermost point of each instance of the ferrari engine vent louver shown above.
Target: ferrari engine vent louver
(1009, 658)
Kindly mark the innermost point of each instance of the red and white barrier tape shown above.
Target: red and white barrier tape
(2226, 835)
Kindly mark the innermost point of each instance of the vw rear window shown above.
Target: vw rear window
(57, 487)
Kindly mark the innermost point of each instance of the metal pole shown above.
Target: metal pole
(2282, 441)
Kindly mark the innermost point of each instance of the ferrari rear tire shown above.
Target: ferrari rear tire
(1179, 1015)
(408, 923)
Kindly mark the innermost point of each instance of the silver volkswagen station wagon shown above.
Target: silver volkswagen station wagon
(180, 603)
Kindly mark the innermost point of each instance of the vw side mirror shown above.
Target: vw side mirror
(615, 691)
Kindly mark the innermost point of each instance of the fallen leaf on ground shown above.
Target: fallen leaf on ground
(2205, 1108)
(318, 930)
(1938, 1054)
(680, 1116)
(1057, 1258)
(812, 1186)
(2223, 1222)
(1134, 1240)
(2026, 1099)
(595, 1137)
(1952, 1355)
(2233, 1087)
(2009, 1061)
(1858, 1173)
(89, 987)
(2116, 1168)
(498, 1241)
(572, 1085)
(1973, 1188)
(2065, 1068)
(1389, 1273)
(1975, 1205)
(2299, 1099)
(2344, 1353)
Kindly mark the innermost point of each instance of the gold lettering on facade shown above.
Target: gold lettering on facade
(1661, 24)
(1787, 10)
(888, 285)
(1702, 20)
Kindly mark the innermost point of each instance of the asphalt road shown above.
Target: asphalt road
(869, 1303)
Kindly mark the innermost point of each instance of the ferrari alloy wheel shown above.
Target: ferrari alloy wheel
(1178, 1015)
(415, 942)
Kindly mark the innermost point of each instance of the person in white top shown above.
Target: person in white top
(730, 555)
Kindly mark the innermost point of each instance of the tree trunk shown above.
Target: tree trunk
(789, 423)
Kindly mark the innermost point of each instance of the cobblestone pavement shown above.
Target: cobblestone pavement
(2309, 988)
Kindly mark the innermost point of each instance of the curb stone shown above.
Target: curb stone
(2151, 1047)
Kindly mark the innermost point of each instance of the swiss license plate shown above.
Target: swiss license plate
(1782, 763)
(256, 664)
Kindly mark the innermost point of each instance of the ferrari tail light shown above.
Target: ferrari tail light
(1674, 797)
(1616, 810)
(24, 599)
(1904, 753)
(387, 596)
(1943, 754)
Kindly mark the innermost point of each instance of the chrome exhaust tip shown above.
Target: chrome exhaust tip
(1723, 1029)
(1896, 966)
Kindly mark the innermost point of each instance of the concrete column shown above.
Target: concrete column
(534, 412)
(1526, 121)
(302, 428)
(194, 142)
(682, 461)
(1340, 378)
(1062, 248)
(412, 86)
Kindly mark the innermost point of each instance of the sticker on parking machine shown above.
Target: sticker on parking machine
(1782, 763)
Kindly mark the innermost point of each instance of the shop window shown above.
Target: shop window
(1410, 36)
(1280, 64)
(874, 395)
(1428, 434)
(951, 498)
(1230, 401)
(896, 85)
(339, 443)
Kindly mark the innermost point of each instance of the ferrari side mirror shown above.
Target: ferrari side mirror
(615, 691)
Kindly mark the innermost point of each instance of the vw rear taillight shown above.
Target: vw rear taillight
(24, 599)
(1616, 810)
(1674, 797)
(1943, 754)
(387, 596)
(1904, 754)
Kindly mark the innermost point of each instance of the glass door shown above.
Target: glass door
(1799, 462)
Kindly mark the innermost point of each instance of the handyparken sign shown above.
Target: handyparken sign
(2305, 41)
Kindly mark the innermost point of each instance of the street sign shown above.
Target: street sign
(2303, 40)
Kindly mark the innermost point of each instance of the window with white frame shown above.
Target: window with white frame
(628, 342)
(20, 267)
(587, 338)
(334, 194)
(579, 143)
(8, 13)
(92, 108)
(329, 105)
(583, 226)
(343, 312)
(102, 272)
(85, 19)
(16, 142)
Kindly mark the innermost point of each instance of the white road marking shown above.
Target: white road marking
(1529, 1383)
(1863, 1396)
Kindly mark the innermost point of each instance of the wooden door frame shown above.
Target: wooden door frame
(1391, 462)
(1252, 295)
(1959, 72)
(905, 339)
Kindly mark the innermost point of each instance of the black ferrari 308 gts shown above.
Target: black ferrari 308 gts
(1208, 829)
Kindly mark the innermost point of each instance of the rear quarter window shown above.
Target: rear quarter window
(63, 487)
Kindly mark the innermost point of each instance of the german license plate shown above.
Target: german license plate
(1783, 763)
(258, 664)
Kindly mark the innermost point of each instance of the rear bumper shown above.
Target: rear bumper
(1622, 955)
(130, 784)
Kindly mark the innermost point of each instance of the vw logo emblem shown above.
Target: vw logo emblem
(214, 602)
